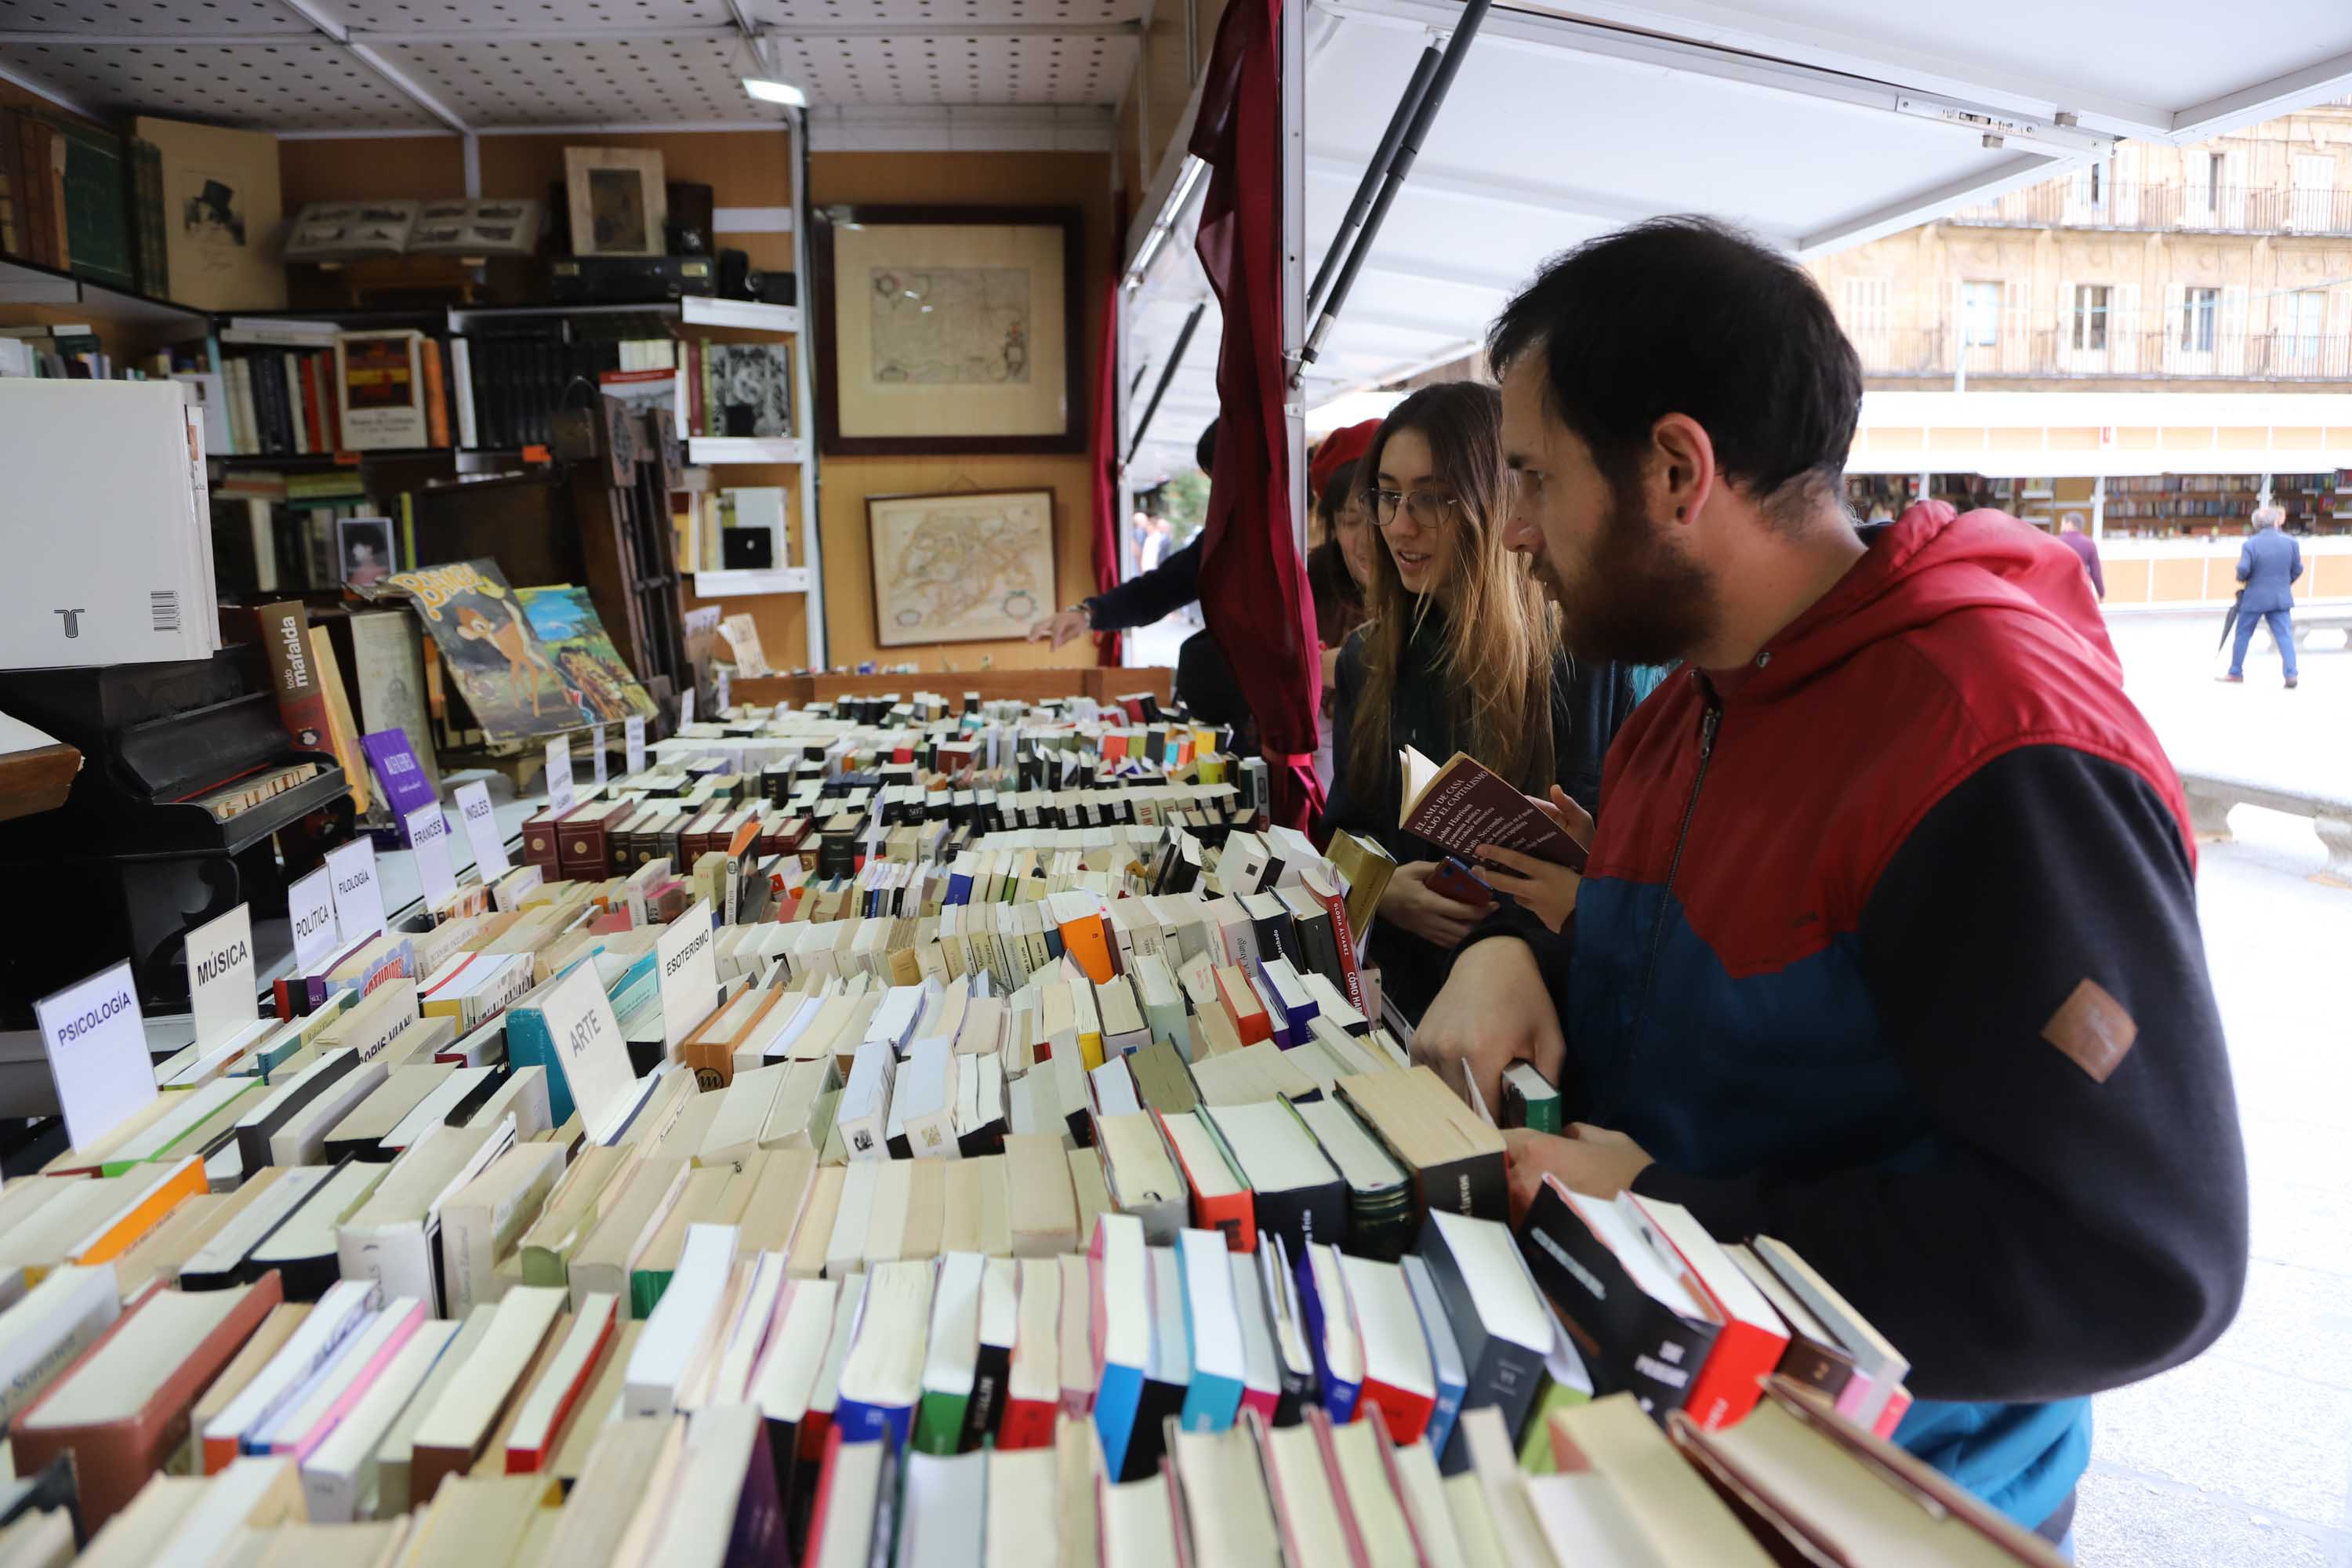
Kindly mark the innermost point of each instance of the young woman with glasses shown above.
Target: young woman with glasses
(1460, 652)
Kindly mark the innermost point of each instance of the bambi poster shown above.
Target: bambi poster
(500, 666)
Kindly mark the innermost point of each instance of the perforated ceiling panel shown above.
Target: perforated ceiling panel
(155, 17)
(948, 68)
(821, 13)
(285, 86)
(269, 64)
(582, 82)
(395, 16)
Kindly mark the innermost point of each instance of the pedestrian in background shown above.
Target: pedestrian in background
(2087, 550)
(2268, 565)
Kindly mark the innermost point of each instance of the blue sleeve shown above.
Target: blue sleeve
(2294, 559)
(1144, 598)
(2245, 561)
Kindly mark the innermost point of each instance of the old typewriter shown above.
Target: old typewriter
(192, 798)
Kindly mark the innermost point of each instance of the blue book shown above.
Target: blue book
(1330, 1332)
(1212, 1332)
(1120, 1281)
(529, 1044)
(859, 1422)
(1444, 1354)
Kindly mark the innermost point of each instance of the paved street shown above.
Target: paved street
(2245, 1456)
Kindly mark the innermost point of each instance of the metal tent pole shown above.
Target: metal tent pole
(1393, 178)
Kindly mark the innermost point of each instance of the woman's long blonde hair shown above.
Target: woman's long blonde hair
(1500, 631)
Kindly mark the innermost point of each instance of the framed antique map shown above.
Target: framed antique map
(967, 566)
(948, 330)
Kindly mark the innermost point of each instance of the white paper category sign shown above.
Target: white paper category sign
(482, 830)
(635, 731)
(310, 908)
(579, 1018)
(686, 956)
(686, 708)
(428, 840)
(597, 753)
(97, 1042)
(359, 897)
(220, 976)
(559, 774)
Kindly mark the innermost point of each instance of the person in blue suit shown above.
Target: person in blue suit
(2268, 566)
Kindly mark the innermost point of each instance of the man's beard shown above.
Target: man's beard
(1639, 600)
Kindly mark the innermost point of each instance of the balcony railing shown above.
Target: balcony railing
(2124, 204)
(2143, 348)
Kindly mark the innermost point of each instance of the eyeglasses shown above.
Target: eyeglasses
(1428, 509)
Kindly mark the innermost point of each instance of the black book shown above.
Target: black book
(884, 1551)
(280, 1105)
(1630, 1341)
(991, 1370)
(269, 402)
(1500, 1324)
(45, 1491)
(1260, 1140)
(1319, 947)
(757, 1534)
(1271, 922)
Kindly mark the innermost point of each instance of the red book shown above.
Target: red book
(1249, 1016)
(1114, 746)
(312, 391)
(1343, 937)
(1221, 1201)
(538, 843)
(1752, 1337)
(1898, 1400)
(1397, 1380)
(283, 631)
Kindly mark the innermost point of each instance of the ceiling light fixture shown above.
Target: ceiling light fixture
(770, 92)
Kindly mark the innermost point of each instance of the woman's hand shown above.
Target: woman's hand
(1061, 625)
(1330, 669)
(1410, 902)
(1546, 890)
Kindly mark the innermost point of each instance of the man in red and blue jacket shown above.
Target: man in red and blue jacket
(1886, 945)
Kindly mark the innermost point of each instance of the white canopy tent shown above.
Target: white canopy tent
(1815, 123)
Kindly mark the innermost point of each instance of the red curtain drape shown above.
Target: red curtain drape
(1107, 438)
(1253, 591)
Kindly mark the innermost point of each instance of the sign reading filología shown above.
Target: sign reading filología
(359, 897)
(97, 1043)
(633, 733)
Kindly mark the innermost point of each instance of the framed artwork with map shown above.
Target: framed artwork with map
(948, 330)
(965, 566)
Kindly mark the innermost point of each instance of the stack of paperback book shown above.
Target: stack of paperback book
(567, 1232)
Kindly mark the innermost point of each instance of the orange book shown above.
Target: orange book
(118, 1438)
(132, 1225)
(1086, 944)
(1242, 1005)
(1221, 1201)
(437, 401)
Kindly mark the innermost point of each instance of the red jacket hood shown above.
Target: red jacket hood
(1929, 564)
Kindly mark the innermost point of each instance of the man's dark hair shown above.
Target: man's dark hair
(1683, 315)
(1204, 450)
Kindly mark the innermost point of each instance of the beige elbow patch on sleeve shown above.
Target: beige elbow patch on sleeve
(2092, 1028)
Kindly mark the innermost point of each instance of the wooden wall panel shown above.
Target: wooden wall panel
(1072, 179)
(754, 168)
(373, 168)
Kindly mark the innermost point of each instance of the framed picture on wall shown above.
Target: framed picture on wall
(948, 330)
(965, 566)
(617, 199)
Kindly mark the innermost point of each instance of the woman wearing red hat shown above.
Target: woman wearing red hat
(1460, 653)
